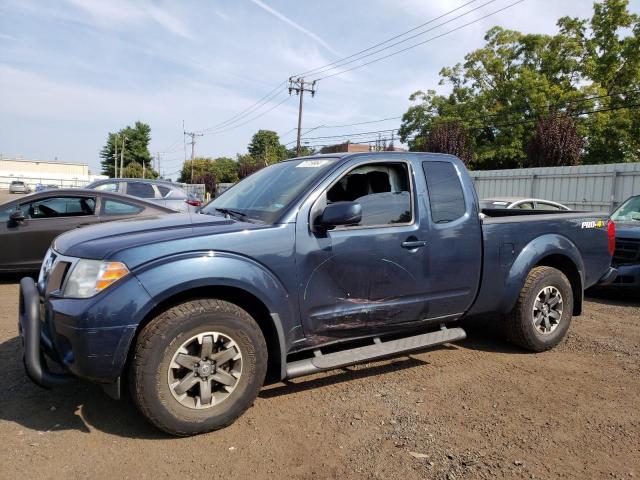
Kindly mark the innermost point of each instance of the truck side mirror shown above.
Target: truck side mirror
(339, 213)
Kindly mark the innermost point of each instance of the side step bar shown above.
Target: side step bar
(379, 349)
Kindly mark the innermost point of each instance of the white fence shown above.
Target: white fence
(5, 181)
(585, 187)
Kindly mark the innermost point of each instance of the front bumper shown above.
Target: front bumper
(87, 338)
(34, 342)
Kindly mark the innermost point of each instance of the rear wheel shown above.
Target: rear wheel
(543, 312)
(198, 366)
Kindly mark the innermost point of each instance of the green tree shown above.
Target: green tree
(265, 147)
(224, 169)
(136, 150)
(501, 89)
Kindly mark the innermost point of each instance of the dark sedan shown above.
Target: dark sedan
(29, 224)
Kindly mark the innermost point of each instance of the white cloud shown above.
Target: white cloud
(116, 13)
(295, 25)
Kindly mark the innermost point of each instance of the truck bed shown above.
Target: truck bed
(510, 234)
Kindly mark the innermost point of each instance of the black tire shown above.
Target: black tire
(160, 340)
(520, 322)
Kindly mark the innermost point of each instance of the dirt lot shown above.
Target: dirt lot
(477, 409)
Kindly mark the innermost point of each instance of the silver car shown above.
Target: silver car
(521, 203)
(18, 186)
(161, 192)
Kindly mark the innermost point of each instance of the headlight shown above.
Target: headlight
(89, 277)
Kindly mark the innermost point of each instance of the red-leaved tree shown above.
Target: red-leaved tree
(555, 142)
(449, 137)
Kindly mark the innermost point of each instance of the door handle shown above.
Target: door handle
(411, 244)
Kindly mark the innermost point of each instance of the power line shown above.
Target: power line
(345, 61)
(250, 109)
(520, 122)
(421, 43)
(315, 70)
(249, 120)
(352, 134)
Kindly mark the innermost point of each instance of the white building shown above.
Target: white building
(62, 174)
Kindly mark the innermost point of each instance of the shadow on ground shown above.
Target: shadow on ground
(621, 297)
(83, 407)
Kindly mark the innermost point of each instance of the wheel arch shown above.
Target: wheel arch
(269, 323)
(549, 250)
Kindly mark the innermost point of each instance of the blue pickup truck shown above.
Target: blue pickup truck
(307, 265)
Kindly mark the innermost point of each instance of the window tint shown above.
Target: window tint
(141, 190)
(382, 189)
(164, 191)
(546, 206)
(108, 187)
(525, 206)
(446, 198)
(59, 207)
(114, 207)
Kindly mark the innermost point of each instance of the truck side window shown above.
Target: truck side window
(382, 189)
(446, 198)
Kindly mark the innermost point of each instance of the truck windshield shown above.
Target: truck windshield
(263, 195)
(628, 211)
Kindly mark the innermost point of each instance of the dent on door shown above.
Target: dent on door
(360, 292)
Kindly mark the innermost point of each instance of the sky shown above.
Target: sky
(73, 70)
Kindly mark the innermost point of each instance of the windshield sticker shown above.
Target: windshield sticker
(312, 163)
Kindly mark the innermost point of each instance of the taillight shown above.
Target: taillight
(611, 234)
(193, 203)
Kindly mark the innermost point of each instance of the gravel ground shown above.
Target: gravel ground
(477, 409)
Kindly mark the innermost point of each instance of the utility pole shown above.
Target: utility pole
(300, 86)
(124, 138)
(158, 164)
(115, 159)
(193, 136)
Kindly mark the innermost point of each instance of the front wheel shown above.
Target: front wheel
(543, 312)
(198, 366)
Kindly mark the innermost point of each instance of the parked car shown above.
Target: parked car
(41, 187)
(307, 265)
(161, 192)
(18, 186)
(28, 225)
(521, 203)
(626, 257)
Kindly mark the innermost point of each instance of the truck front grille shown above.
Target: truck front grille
(627, 251)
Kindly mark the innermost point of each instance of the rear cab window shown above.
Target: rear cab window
(446, 197)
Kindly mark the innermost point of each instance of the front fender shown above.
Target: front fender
(172, 275)
(531, 255)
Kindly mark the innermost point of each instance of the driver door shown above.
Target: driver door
(367, 278)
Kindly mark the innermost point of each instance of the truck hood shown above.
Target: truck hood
(107, 239)
(628, 229)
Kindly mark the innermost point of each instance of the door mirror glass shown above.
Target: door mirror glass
(340, 213)
(17, 216)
